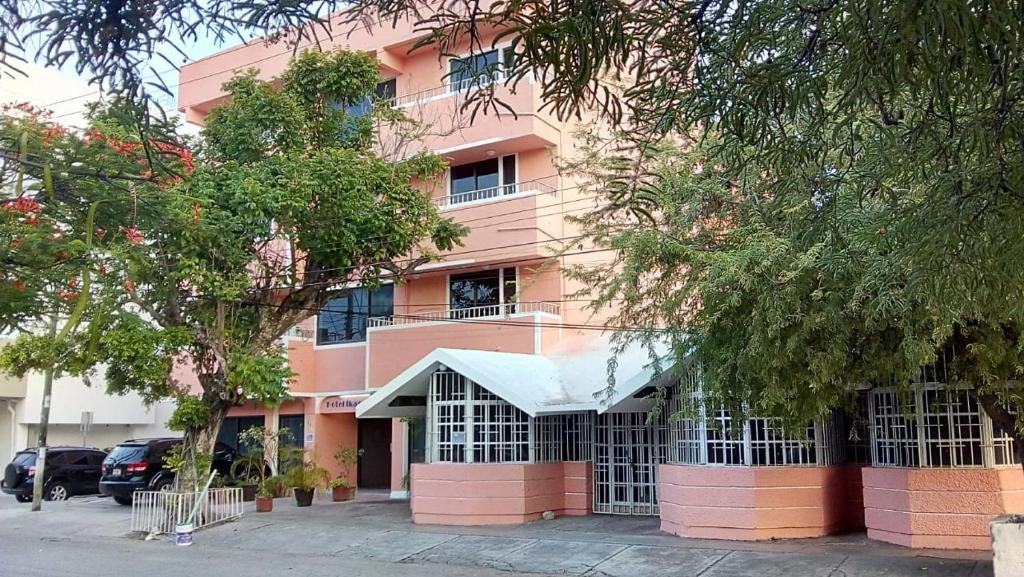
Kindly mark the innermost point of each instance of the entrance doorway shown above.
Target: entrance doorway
(375, 462)
(627, 452)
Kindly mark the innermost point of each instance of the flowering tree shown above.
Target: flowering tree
(215, 258)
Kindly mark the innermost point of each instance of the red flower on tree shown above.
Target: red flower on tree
(21, 206)
(132, 234)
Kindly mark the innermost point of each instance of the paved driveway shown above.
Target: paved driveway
(375, 537)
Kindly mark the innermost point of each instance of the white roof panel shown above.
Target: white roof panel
(567, 381)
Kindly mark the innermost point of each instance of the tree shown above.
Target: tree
(814, 195)
(285, 207)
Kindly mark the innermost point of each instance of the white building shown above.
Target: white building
(114, 418)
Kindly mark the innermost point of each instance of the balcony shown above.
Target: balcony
(452, 131)
(457, 88)
(483, 313)
(507, 191)
(399, 341)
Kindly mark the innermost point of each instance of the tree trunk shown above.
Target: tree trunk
(197, 447)
(1007, 421)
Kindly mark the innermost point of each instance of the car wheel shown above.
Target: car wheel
(123, 501)
(23, 498)
(163, 485)
(57, 492)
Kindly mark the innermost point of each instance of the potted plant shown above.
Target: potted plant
(265, 494)
(248, 473)
(304, 478)
(342, 488)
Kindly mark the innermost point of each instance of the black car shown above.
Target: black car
(69, 471)
(141, 465)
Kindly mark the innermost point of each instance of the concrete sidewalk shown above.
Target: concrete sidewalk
(378, 532)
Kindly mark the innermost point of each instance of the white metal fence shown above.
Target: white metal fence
(161, 511)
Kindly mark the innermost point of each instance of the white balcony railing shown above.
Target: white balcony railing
(448, 89)
(301, 333)
(467, 314)
(516, 188)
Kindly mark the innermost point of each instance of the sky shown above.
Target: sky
(66, 92)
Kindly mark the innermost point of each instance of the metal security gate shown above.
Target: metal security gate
(627, 452)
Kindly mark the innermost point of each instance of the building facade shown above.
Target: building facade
(80, 414)
(477, 388)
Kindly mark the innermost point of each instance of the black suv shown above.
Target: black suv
(69, 471)
(140, 465)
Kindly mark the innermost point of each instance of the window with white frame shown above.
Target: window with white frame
(486, 179)
(702, 436)
(934, 426)
(469, 424)
(482, 294)
(480, 68)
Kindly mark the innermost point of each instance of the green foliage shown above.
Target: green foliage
(261, 121)
(214, 258)
(177, 460)
(261, 375)
(139, 356)
(346, 457)
(792, 301)
(305, 474)
(191, 413)
(269, 487)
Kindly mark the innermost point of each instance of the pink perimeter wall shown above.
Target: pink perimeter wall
(939, 508)
(751, 503)
(501, 494)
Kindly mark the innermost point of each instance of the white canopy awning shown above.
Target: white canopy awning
(564, 382)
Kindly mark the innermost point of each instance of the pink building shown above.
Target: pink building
(471, 387)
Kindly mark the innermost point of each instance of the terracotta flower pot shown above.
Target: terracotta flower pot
(264, 504)
(343, 494)
(303, 497)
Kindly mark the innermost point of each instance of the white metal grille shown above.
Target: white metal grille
(934, 426)
(501, 432)
(699, 436)
(465, 415)
(568, 437)
(627, 452)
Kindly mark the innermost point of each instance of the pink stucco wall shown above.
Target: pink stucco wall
(497, 494)
(939, 508)
(327, 369)
(393, 350)
(752, 503)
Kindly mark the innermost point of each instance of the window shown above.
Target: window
(78, 458)
(481, 294)
(490, 66)
(344, 319)
(709, 436)
(482, 180)
(469, 424)
(384, 91)
(934, 426)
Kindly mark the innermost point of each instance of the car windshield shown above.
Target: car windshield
(25, 459)
(126, 454)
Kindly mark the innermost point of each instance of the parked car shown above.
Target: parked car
(69, 471)
(141, 465)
